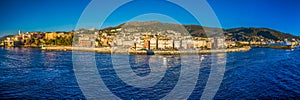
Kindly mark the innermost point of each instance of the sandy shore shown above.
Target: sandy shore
(109, 50)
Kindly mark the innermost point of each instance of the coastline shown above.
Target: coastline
(170, 52)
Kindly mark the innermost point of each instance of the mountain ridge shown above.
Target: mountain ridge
(239, 33)
(235, 34)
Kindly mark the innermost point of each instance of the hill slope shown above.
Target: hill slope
(240, 34)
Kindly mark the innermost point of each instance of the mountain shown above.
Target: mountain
(202, 31)
(262, 33)
(239, 34)
(171, 29)
(153, 26)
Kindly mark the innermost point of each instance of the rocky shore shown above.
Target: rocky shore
(171, 52)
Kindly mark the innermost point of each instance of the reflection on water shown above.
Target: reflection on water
(140, 64)
(260, 73)
(143, 63)
(31, 73)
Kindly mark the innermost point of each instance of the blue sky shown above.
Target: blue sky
(62, 15)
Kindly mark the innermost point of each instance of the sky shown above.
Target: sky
(63, 15)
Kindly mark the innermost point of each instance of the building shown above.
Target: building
(9, 42)
(62, 34)
(153, 44)
(208, 44)
(147, 44)
(184, 44)
(20, 32)
(177, 44)
(104, 42)
(219, 43)
(244, 42)
(85, 41)
(168, 44)
(127, 43)
(118, 29)
(50, 35)
(230, 44)
(118, 41)
(2, 43)
(200, 43)
(190, 44)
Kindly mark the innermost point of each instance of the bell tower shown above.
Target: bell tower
(20, 32)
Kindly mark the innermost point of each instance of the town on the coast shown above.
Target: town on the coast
(156, 36)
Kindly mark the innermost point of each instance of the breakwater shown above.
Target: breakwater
(169, 52)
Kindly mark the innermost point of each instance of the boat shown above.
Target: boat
(150, 52)
(281, 45)
(43, 47)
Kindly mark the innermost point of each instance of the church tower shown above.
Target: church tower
(20, 32)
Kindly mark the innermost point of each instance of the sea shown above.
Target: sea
(260, 73)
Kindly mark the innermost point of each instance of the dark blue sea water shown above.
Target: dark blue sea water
(260, 73)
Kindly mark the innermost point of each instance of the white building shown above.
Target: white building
(177, 44)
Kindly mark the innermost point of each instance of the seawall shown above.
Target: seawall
(171, 52)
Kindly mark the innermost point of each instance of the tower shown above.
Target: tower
(20, 32)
